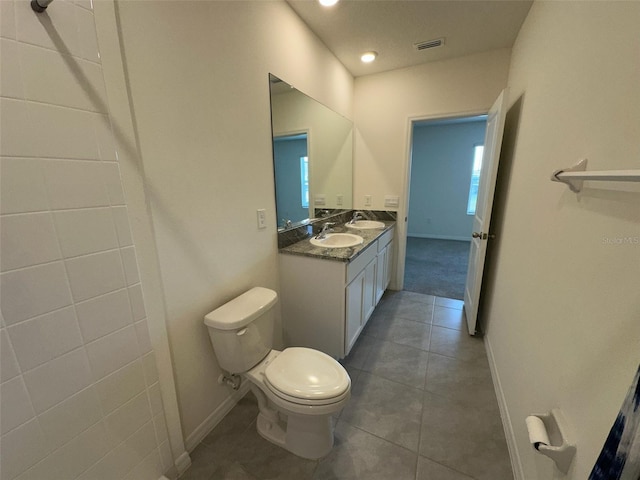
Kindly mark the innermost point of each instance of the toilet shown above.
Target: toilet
(298, 389)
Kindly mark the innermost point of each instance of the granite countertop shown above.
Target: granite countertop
(347, 254)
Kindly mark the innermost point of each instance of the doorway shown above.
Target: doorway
(446, 156)
(291, 175)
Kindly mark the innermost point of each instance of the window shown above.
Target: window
(304, 181)
(478, 150)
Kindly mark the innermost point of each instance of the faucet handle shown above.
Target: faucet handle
(357, 215)
(326, 227)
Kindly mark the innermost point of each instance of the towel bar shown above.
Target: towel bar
(576, 175)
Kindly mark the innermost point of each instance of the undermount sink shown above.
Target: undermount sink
(337, 240)
(365, 224)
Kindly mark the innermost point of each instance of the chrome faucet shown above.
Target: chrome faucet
(326, 228)
(356, 216)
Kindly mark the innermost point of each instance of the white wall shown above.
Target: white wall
(441, 167)
(200, 99)
(384, 106)
(563, 304)
(79, 385)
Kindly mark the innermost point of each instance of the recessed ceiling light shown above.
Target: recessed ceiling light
(369, 57)
(328, 3)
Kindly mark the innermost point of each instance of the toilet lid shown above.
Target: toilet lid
(303, 373)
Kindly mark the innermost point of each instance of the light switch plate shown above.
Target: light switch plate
(319, 199)
(367, 200)
(339, 199)
(262, 218)
(391, 200)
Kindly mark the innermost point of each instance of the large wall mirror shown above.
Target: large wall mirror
(312, 156)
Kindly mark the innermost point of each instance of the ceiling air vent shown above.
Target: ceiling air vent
(438, 42)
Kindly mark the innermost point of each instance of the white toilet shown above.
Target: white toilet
(297, 389)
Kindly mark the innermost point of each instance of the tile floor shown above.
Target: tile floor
(423, 407)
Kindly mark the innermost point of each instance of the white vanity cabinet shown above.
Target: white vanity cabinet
(360, 295)
(326, 303)
(384, 264)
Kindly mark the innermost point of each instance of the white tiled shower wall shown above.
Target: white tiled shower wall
(78, 379)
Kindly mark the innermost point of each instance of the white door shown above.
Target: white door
(486, 187)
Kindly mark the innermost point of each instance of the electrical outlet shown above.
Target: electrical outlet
(262, 218)
(367, 200)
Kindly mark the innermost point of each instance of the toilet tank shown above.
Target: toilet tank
(241, 330)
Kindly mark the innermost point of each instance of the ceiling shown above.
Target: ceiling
(392, 27)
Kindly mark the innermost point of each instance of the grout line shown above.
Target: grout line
(55, 50)
(448, 467)
(71, 257)
(453, 358)
(383, 439)
(412, 387)
(58, 105)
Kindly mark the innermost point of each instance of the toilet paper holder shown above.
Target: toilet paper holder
(548, 435)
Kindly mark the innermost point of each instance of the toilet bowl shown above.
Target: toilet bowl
(298, 389)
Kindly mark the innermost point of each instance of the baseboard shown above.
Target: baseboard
(172, 473)
(514, 455)
(182, 463)
(439, 237)
(212, 420)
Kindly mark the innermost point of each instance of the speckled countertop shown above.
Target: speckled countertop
(347, 254)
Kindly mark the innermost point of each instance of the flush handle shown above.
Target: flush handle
(241, 332)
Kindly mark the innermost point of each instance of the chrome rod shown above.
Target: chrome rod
(40, 5)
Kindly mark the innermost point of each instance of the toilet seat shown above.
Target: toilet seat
(307, 377)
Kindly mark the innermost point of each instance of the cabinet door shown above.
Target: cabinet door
(353, 324)
(381, 272)
(388, 265)
(369, 295)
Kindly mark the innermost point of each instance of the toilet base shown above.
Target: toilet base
(304, 430)
(308, 437)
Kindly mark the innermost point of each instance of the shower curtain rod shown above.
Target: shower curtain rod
(40, 5)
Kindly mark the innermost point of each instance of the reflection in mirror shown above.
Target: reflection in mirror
(291, 165)
(312, 155)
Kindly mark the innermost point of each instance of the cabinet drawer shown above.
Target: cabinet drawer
(384, 240)
(361, 261)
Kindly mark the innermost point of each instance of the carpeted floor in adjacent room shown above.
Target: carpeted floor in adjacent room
(436, 267)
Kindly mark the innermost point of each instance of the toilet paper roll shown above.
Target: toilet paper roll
(537, 431)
